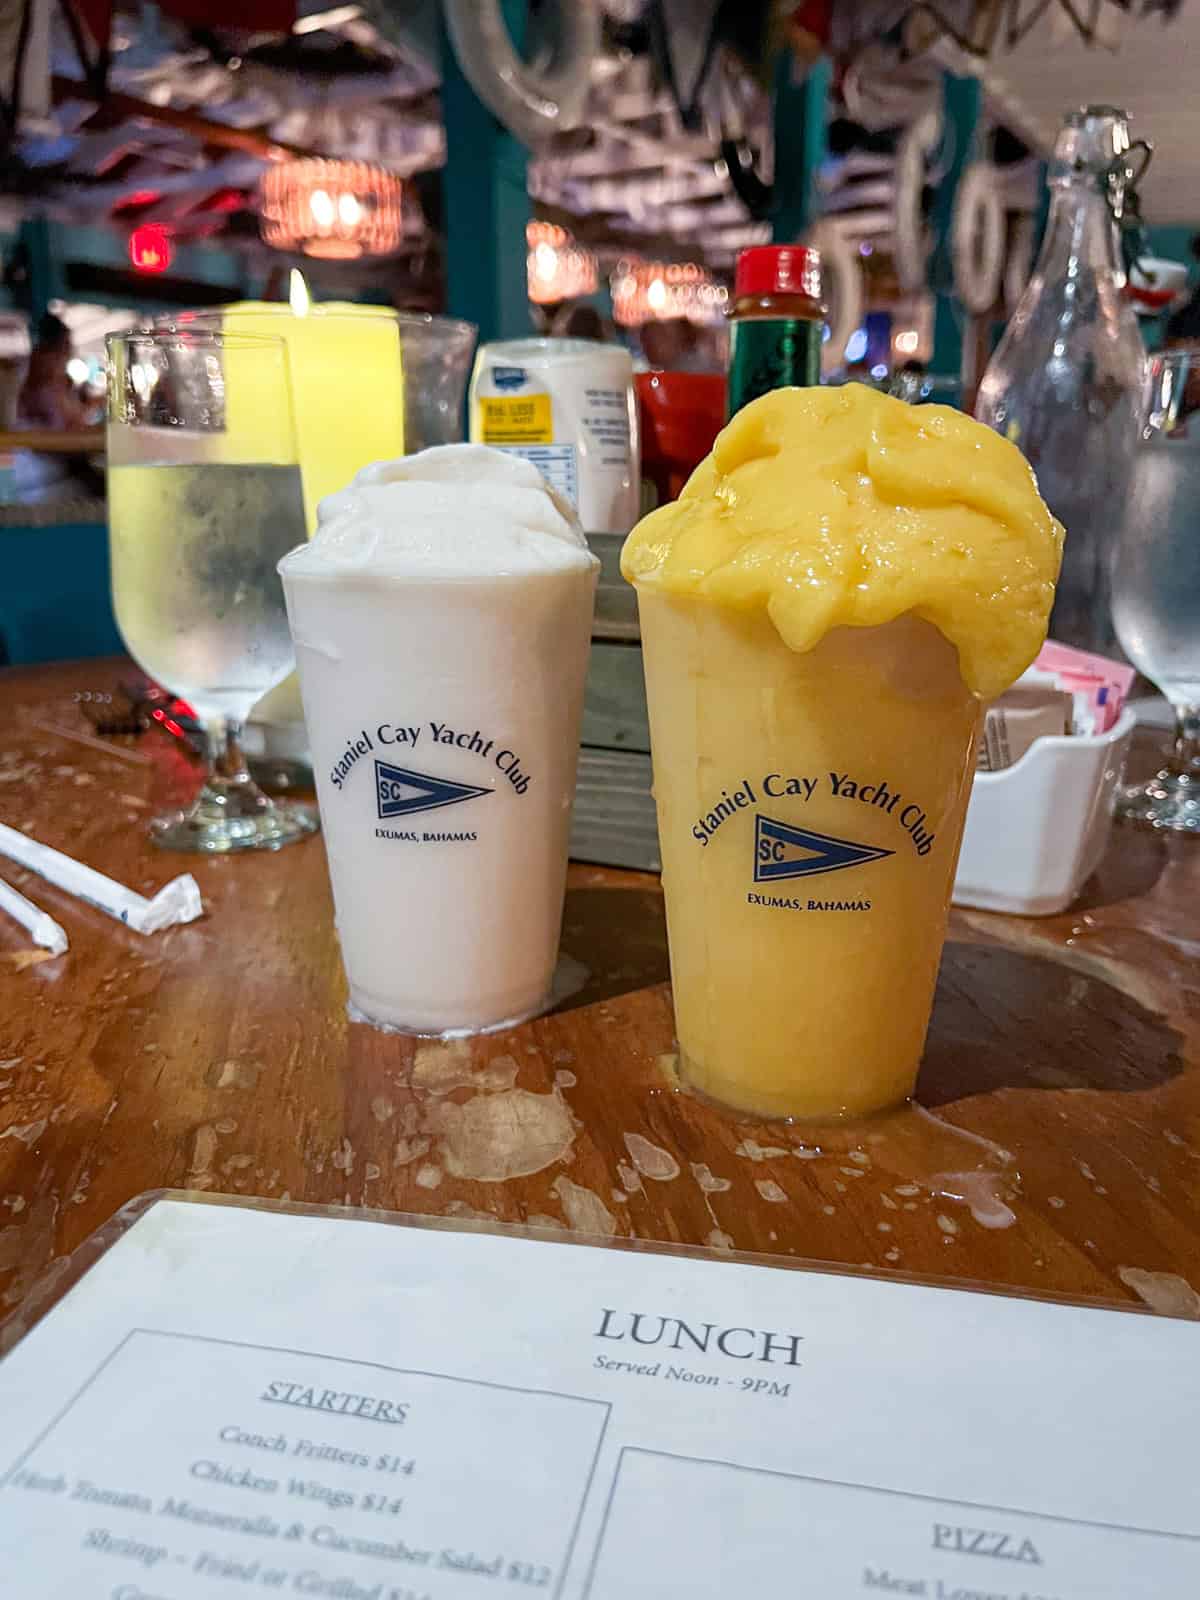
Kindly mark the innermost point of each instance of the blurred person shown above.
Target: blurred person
(49, 398)
(673, 344)
(712, 347)
(580, 321)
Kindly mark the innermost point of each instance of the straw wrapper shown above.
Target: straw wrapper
(42, 928)
(177, 901)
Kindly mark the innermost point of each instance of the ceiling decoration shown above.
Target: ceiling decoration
(557, 268)
(981, 27)
(651, 147)
(633, 175)
(650, 291)
(532, 101)
(193, 117)
(333, 210)
(978, 27)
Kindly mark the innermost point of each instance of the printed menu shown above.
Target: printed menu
(236, 1401)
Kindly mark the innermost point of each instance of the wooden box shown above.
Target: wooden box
(614, 822)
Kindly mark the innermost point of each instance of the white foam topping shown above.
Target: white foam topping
(454, 511)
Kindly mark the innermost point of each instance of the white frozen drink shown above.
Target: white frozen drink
(441, 615)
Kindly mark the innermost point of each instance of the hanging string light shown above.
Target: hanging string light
(647, 291)
(557, 267)
(336, 210)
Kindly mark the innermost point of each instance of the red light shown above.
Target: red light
(167, 722)
(150, 248)
(137, 197)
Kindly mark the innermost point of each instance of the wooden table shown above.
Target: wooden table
(218, 1057)
(54, 441)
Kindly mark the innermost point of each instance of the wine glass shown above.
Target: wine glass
(1156, 583)
(204, 498)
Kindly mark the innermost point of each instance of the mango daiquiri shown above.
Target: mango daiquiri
(842, 584)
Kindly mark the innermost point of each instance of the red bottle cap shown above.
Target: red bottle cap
(778, 269)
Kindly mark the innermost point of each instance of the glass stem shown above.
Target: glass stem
(229, 785)
(229, 763)
(1185, 758)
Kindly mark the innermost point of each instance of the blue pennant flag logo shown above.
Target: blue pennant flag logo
(782, 851)
(400, 792)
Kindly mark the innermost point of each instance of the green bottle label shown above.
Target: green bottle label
(771, 353)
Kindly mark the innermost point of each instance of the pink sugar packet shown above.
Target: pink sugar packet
(1098, 687)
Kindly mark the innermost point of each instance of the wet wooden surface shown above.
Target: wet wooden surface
(219, 1057)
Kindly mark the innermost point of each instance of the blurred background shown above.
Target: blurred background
(588, 168)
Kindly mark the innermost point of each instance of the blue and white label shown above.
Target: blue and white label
(817, 789)
(400, 792)
(372, 771)
(782, 850)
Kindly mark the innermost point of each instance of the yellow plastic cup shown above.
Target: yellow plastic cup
(810, 810)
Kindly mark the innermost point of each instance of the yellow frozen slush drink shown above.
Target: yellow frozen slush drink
(841, 584)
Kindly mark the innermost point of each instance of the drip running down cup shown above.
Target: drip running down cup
(442, 619)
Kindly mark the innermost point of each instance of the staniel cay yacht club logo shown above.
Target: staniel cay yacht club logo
(400, 792)
(782, 850)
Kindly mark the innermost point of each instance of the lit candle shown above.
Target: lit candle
(347, 381)
(347, 384)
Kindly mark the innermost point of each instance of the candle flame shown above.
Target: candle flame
(298, 294)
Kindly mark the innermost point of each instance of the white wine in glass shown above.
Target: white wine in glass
(204, 499)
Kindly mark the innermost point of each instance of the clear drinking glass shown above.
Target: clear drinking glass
(435, 358)
(1156, 582)
(437, 363)
(204, 498)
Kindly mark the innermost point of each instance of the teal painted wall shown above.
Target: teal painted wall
(52, 246)
(107, 247)
(800, 114)
(486, 202)
(1174, 242)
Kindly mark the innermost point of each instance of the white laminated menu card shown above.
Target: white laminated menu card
(238, 1402)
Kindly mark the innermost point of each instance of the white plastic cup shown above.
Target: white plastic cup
(444, 720)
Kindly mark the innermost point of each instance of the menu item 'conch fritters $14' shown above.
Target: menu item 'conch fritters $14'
(839, 586)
